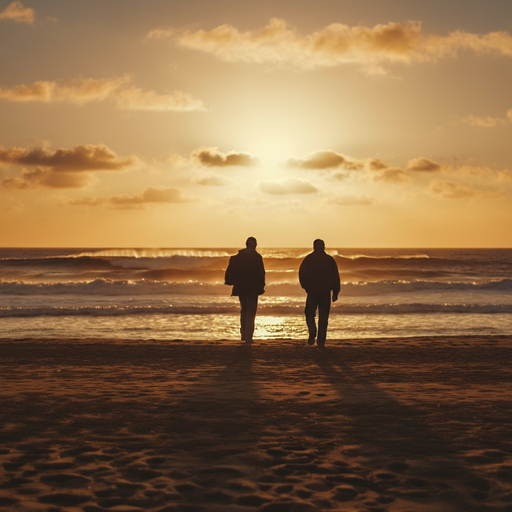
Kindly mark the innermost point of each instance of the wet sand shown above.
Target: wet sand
(413, 424)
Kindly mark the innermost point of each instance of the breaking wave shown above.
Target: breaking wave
(109, 287)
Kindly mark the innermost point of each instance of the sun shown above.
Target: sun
(272, 151)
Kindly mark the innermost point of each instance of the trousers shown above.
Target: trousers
(248, 306)
(322, 302)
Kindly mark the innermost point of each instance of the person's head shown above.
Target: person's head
(319, 245)
(251, 243)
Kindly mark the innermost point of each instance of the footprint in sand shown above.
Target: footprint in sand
(70, 480)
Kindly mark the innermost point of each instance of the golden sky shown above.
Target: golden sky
(165, 123)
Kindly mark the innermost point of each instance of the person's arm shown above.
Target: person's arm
(303, 271)
(229, 276)
(262, 274)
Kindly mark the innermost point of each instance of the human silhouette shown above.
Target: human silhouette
(246, 273)
(319, 276)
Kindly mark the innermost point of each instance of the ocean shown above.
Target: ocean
(179, 294)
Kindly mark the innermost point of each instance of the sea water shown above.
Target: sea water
(169, 294)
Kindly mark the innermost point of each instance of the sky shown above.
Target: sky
(198, 123)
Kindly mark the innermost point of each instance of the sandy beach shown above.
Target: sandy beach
(412, 424)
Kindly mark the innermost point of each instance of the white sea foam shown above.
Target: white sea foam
(268, 309)
(151, 253)
(109, 287)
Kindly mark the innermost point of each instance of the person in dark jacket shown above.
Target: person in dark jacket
(319, 276)
(246, 273)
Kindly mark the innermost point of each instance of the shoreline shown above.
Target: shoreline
(388, 424)
(441, 340)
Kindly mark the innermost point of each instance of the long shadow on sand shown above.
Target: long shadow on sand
(220, 407)
(402, 455)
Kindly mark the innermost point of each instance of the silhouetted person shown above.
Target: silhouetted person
(247, 275)
(319, 276)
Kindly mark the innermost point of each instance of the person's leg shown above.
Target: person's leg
(251, 305)
(243, 314)
(310, 313)
(324, 307)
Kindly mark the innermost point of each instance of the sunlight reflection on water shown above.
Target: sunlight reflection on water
(227, 327)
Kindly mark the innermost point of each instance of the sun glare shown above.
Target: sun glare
(272, 152)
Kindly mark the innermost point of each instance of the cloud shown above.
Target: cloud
(488, 121)
(79, 158)
(132, 98)
(46, 178)
(484, 122)
(117, 90)
(18, 12)
(322, 160)
(150, 195)
(176, 160)
(211, 180)
(472, 170)
(453, 190)
(279, 44)
(351, 200)
(374, 164)
(212, 157)
(289, 186)
(75, 91)
(325, 160)
(505, 175)
(338, 175)
(422, 164)
(160, 33)
(391, 175)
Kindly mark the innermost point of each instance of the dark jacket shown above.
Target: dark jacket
(318, 273)
(246, 273)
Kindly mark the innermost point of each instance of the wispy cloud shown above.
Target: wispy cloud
(79, 158)
(19, 13)
(46, 178)
(454, 190)
(212, 157)
(391, 175)
(150, 195)
(161, 33)
(351, 200)
(488, 121)
(289, 186)
(117, 90)
(280, 44)
(505, 176)
(210, 180)
(484, 122)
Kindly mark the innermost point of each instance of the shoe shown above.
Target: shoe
(311, 341)
(249, 342)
